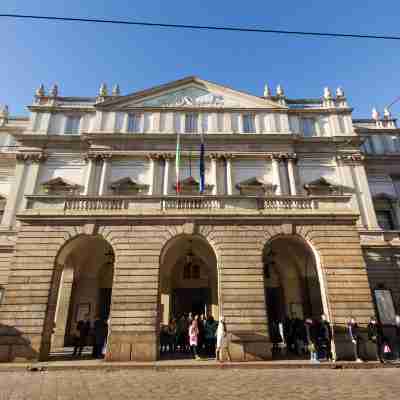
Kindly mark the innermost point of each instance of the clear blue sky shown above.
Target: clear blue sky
(80, 56)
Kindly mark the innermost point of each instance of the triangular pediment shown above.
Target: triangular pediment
(191, 92)
(322, 186)
(190, 185)
(127, 184)
(59, 185)
(256, 185)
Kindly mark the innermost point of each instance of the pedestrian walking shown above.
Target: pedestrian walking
(375, 335)
(222, 341)
(355, 337)
(83, 328)
(193, 338)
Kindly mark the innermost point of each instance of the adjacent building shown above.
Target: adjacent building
(298, 217)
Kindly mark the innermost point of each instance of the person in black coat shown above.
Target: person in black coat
(355, 337)
(100, 334)
(83, 327)
(375, 335)
(312, 339)
(397, 338)
(325, 337)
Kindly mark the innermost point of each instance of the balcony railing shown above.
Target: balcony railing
(69, 205)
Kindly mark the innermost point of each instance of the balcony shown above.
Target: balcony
(46, 205)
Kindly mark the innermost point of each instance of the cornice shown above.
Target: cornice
(34, 157)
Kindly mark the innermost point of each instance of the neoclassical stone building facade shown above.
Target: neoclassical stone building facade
(92, 222)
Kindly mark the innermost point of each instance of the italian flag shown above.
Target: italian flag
(177, 161)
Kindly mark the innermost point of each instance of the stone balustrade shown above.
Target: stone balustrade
(196, 204)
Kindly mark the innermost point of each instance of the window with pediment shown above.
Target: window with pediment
(307, 126)
(384, 209)
(256, 186)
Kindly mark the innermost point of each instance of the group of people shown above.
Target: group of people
(199, 335)
(383, 346)
(301, 337)
(85, 330)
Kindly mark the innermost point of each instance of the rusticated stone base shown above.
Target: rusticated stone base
(249, 348)
(132, 347)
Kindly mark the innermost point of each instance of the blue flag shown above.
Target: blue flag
(202, 166)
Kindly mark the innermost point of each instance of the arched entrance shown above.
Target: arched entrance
(293, 286)
(188, 280)
(85, 267)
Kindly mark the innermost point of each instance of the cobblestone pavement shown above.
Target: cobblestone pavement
(202, 384)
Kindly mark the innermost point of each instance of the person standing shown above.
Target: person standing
(375, 335)
(193, 338)
(222, 341)
(355, 337)
(83, 327)
(325, 337)
(397, 338)
(311, 337)
(100, 333)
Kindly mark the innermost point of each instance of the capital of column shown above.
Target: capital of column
(97, 157)
(228, 156)
(284, 156)
(167, 156)
(215, 156)
(34, 157)
(154, 156)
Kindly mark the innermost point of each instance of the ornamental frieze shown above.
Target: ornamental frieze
(97, 157)
(354, 157)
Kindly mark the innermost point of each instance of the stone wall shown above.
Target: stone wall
(27, 314)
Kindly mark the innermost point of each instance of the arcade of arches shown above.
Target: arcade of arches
(188, 281)
(142, 275)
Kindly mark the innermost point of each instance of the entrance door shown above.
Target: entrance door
(191, 300)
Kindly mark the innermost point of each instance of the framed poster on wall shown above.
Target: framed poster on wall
(385, 306)
(81, 310)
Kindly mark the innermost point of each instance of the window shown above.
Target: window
(308, 127)
(385, 219)
(191, 271)
(134, 121)
(249, 123)
(220, 122)
(191, 122)
(2, 292)
(72, 125)
(367, 145)
(396, 143)
(204, 122)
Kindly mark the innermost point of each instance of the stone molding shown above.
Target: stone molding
(351, 158)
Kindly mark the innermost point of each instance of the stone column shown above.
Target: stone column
(63, 303)
(291, 165)
(213, 160)
(104, 174)
(228, 165)
(88, 178)
(167, 159)
(153, 158)
(276, 176)
(283, 172)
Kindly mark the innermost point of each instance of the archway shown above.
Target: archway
(293, 287)
(85, 266)
(188, 281)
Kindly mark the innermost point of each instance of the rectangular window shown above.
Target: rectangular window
(72, 125)
(308, 127)
(367, 146)
(249, 123)
(204, 122)
(134, 121)
(220, 122)
(385, 219)
(191, 120)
